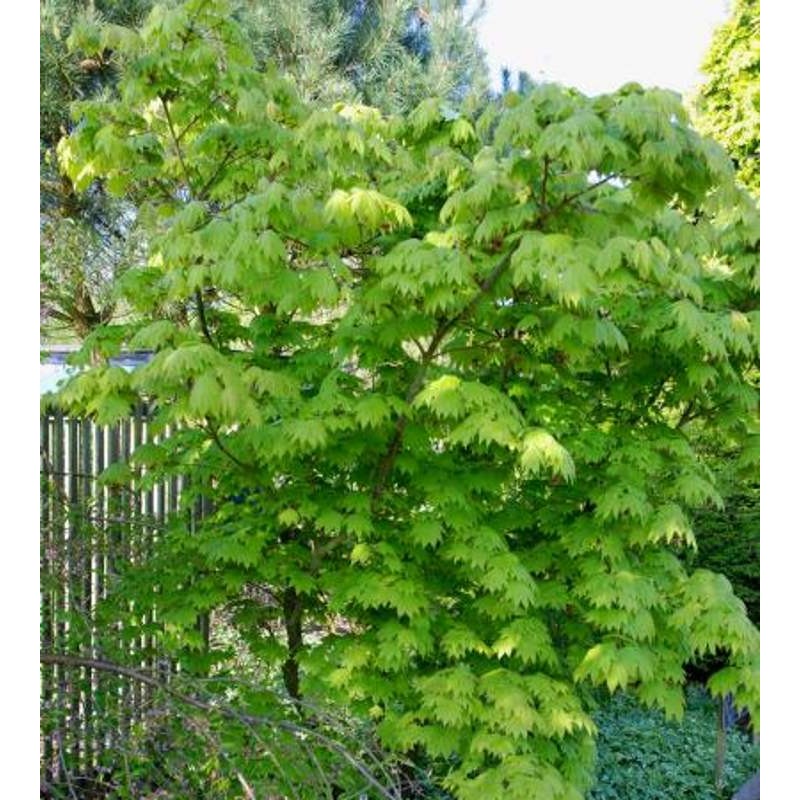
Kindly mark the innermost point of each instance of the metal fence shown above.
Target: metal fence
(89, 531)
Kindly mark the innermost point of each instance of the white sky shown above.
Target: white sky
(598, 45)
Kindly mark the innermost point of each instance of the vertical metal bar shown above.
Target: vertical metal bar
(113, 534)
(135, 538)
(100, 514)
(112, 494)
(124, 556)
(123, 429)
(172, 507)
(160, 499)
(99, 566)
(74, 588)
(59, 563)
(88, 541)
(148, 505)
(46, 634)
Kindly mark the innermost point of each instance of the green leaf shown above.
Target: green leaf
(539, 451)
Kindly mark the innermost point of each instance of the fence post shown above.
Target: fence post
(45, 579)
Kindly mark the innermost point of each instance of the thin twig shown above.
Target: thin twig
(285, 725)
(176, 142)
(545, 169)
(225, 162)
(61, 758)
(214, 433)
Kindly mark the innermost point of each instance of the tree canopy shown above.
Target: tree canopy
(390, 55)
(728, 103)
(437, 373)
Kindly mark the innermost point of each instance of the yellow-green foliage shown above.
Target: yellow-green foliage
(728, 105)
(441, 377)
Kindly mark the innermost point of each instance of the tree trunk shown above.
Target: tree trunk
(719, 754)
(293, 620)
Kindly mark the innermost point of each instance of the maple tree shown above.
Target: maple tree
(390, 55)
(434, 372)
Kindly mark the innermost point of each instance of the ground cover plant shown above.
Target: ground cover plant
(641, 756)
(446, 381)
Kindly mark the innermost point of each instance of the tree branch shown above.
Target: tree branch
(214, 434)
(198, 116)
(545, 169)
(201, 313)
(300, 731)
(225, 162)
(176, 142)
(570, 197)
(484, 287)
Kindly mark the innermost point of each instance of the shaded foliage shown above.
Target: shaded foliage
(728, 541)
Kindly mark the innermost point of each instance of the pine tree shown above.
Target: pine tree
(85, 239)
(390, 55)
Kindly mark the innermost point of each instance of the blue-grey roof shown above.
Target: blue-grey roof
(54, 369)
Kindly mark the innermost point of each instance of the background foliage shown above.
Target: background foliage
(728, 104)
(728, 542)
(727, 108)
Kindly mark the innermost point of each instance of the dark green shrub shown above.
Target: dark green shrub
(728, 542)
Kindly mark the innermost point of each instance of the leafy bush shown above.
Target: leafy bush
(641, 756)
